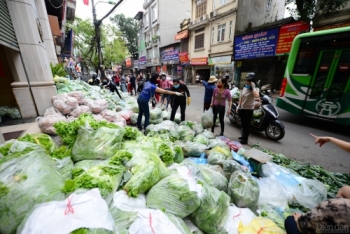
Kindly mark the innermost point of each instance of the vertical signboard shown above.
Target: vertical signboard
(287, 34)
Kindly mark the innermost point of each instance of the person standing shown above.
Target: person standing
(148, 91)
(132, 84)
(208, 93)
(179, 100)
(220, 95)
(123, 83)
(246, 105)
(164, 83)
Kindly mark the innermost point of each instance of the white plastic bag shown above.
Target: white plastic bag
(86, 210)
(272, 193)
(310, 193)
(208, 118)
(123, 202)
(237, 215)
(152, 221)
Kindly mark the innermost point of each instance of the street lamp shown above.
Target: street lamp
(97, 24)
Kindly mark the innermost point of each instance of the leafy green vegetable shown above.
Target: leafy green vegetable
(41, 139)
(61, 152)
(185, 132)
(28, 177)
(201, 139)
(243, 190)
(91, 231)
(106, 178)
(68, 131)
(172, 195)
(82, 166)
(332, 180)
(122, 219)
(178, 154)
(5, 148)
(166, 154)
(131, 133)
(101, 143)
(120, 158)
(212, 214)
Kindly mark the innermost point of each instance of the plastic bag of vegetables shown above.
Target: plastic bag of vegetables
(212, 214)
(178, 153)
(260, 225)
(208, 134)
(273, 214)
(156, 113)
(208, 119)
(236, 216)
(230, 166)
(272, 193)
(201, 139)
(185, 132)
(27, 177)
(223, 149)
(80, 212)
(193, 149)
(82, 166)
(177, 194)
(101, 143)
(197, 128)
(42, 140)
(105, 178)
(243, 190)
(216, 158)
(146, 168)
(63, 161)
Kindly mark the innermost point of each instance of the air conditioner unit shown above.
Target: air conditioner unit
(213, 14)
(203, 17)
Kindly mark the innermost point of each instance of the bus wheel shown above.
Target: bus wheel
(274, 131)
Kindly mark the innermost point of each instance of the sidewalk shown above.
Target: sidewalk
(16, 131)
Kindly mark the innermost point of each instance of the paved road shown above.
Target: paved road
(297, 143)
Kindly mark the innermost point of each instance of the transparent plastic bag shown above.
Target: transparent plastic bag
(101, 143)
(193, 149)
(80, 110)
(243, 190)
(212, 214)
(216, 158)
(208, 134)
(237, 215)
(65, 104)
(156, 113)
(272, 193)
(201, 139)
(310, 193)
(80, 96)
(208, 118)
(186, 133)
(260, 225)
(197, 128)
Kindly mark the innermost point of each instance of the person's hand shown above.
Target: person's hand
(188, 101)
(211, 104)
(253, 85)
(228, 111)
(178, 94)
(296, 216)
(320, 140)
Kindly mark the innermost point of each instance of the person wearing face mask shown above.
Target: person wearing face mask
(164, 83)
(246, 105)
(208, 93)
(218, 103)
(148, 91)
(179, 100)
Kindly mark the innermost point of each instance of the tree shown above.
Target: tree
(113, 47)
(129, 28)
(307, 9)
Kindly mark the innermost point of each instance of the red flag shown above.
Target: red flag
(86, 2)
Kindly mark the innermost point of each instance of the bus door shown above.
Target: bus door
(328, 84)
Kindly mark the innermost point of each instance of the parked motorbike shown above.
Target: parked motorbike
(265, 118)
(265, 90)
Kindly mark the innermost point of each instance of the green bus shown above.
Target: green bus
(317, 77)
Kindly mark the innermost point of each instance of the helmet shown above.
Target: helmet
(250, 77)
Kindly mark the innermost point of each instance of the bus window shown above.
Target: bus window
(321, 74)
(305, 59)
(340, 78)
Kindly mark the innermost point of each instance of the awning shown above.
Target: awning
(181, 35)
(55, 27)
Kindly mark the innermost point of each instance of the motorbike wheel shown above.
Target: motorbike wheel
(274, 132)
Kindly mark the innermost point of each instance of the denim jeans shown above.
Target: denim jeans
(143, 110)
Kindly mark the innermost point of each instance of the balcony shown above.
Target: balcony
(147, 3)
(203, 20)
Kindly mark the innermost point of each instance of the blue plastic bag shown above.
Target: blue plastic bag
(241, 160)
(200, 160)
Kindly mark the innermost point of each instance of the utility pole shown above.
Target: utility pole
(97, 25)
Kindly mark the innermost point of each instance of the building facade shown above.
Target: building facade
(159, 25)
(211, 36)
(27, 47)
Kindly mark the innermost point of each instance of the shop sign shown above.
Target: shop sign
(181, 35)
(142, 60)
(183, 57)
(164, 68)
(170, 55)
(199, 61)
(179, 70)
(287, 34)
(128, 62)
(256, 45)
(136, 63)
(220, 60)
(155, 60)
(331, 26)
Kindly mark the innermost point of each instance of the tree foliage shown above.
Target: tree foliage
(129, 28)
(307, 9)
(113, 47)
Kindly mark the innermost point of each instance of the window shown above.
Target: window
(145, 20)
(201, 8)
(212, 35)
(229, 35)
(154, 13)
(199, 41)
(221, 32)
(218, 3)
(222, 2)
(268, 5)
(149, 54)
(155, 53)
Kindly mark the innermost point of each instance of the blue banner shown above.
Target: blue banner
(256, 45)
(170, 55)
(142, 60)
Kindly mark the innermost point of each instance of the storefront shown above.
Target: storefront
(221, 65)
(170, 61)
(201, 68)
